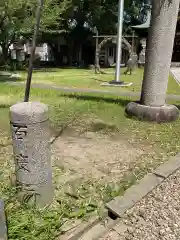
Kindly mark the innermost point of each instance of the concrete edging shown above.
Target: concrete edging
(134, 194)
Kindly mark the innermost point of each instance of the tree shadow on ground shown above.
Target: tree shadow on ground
(56, 68)
(5, 105)
(99, 80)
(122, 102)
(6, 79)
(178, 106)
(3, 79)
(56, 134)
(46, 69)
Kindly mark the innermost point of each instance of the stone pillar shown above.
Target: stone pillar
(3, 227)
(159, 51)
(142, 54)
(30, 134)
(161, 35)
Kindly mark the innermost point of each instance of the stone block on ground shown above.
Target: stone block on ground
(78, 230)
(168, 168)
(161, 114)
(120, 228)
(111, 235)
(134, 194)
(99, 229)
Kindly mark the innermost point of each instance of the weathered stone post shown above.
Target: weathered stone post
(152, 106)
(30, 134)
(3, 227)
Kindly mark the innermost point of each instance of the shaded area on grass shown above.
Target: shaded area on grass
(122, 102)
(9, 79)
(5, 105)
(99, 80)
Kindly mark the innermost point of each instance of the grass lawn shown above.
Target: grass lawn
(99, 154)
(81, 78)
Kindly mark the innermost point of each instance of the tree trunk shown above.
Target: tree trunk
(159, 52)
(80, 60)
(70, 52)
(97, 67)
(97, 64)
(56, 54)
(4, 59)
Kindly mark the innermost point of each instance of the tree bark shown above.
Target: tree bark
(56, 54)
(97, 64)
(4, 59)
(70, 52)
(159, 51)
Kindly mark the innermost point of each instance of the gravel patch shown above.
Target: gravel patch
(157, 216)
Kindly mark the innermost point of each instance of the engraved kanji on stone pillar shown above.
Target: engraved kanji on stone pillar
(19, 131)
(30, 134)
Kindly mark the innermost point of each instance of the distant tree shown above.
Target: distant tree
(76, 18)
(82, 16)
(102, 14)
(17, 18)
(135, 13)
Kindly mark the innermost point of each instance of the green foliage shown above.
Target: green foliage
(83, 16)
(14, 15)
(135, 13)
(75, 17)
(17, 18)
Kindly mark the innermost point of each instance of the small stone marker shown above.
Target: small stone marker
(142, 57)
(131, 64)
(142, 54)
(3, 228)
(30, 134)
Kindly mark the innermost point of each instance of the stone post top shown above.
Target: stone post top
(28, 112)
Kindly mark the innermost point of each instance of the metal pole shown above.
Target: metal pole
(119, 39)
(36, 31)
(97, 43)
(97, 52)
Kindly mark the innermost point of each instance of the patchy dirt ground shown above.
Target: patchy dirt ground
(97, 155)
